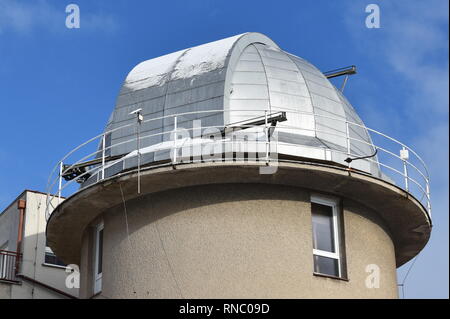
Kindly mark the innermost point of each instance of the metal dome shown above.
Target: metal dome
(231, 80)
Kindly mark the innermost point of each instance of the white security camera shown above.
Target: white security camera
(140, 117)
(136, 111)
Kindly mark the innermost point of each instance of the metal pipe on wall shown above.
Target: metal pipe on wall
(21, 205)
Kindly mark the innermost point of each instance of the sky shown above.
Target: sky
(59, 85)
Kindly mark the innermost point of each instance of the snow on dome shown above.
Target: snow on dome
(151, 72)
(181, 64)
(204, 58)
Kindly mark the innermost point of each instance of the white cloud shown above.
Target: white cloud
(21, 16)
(24, 17)
(413, 43)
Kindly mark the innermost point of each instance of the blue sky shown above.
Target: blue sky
(58, 85)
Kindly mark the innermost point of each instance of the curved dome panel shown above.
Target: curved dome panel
(236, 79)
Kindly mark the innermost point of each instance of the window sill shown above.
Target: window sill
(330, 276)
(11, 282)
(54, 266)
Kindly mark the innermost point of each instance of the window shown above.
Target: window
(98, 258)
(326, 236)
(51, 259)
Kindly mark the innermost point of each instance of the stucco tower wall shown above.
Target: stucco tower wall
(233, 241)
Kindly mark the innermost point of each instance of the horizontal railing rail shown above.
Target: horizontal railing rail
(394, 159)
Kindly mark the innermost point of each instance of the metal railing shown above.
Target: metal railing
(395, 159)
(9, 263)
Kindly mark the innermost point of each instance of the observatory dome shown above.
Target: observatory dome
(232, 80)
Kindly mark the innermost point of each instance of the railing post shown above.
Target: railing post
(266, 128)
(404, 155)
(138, 136)
(347, 134)
(428, 197)
(405, 172)
(103, 155)
(174, 159)
(60, 181)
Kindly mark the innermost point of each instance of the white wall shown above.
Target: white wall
(9, 221)
(5, 290)
(33, 249)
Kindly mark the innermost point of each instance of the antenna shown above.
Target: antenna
(139, 118)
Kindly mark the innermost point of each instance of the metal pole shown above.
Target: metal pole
(347, 132)
(60, 181)
(405, 172)
(428, 197)
(267, 136)
(174, 139)
(138, 131)
(103, 155)
(139, 119)
(344, 83)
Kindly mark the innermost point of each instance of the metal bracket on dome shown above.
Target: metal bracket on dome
(272, 119)
(73, 171)
(348, 70)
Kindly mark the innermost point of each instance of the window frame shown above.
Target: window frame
(47, 252)
(335, 208)
(97, 276)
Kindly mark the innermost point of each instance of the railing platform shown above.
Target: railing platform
(395, 161)
(9, 262)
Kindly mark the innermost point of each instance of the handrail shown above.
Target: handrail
(8, 252)
(423, 188)
(8, 265)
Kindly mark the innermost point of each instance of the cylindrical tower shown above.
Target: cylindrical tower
(237, 170)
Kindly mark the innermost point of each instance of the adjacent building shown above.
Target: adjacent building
(28, 267)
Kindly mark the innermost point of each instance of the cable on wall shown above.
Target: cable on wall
(402, 284)
(128, 236)
(168, 261)
(38, 205)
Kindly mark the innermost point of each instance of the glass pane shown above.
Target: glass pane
(323, 232)
(326, 266)
(51, 258)
(100, 251)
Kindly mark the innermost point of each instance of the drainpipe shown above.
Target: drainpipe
(21, 204)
